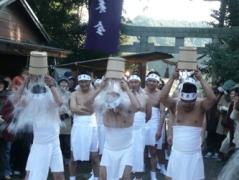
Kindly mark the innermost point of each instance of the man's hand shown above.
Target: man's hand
(176, 73)
(103, 84)
(198, 74)
(170, 140)
(124, 85)
(158, 135)
(49, 81)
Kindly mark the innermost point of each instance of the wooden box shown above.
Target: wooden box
(38, 63)
(187, 59)
(115, 68)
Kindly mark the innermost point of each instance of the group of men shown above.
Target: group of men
(120, 118)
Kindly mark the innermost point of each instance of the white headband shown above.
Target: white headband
(134, 77)
(84, 77)
(188, 96)
(153, 76)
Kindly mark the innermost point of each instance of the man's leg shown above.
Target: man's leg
(27, 175)
(72, 168)
(161, 159)
(95, 163)
(153, 161)
(138, 175)
(127, 173)
(94, 153)
(168, 178)
(58, 176)
(6, 153)
(57, 165)
(103, 173)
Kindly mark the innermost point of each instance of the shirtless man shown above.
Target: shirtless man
(186, 162)
(38, 102)
(140, 119)
(155, 124)
(119, 105)
(84, 137)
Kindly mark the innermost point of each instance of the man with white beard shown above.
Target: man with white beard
(84, 137)
(36, 106)
(155, 124)
(119, 105)
(140, 119)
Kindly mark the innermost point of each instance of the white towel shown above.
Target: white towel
(152, 127)
(84, 137)
(43, 157)
(138, 141)
(117, 153)
(186, 162)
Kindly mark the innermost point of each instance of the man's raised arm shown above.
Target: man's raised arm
(132, 97)
(164, 95)
(210, 99)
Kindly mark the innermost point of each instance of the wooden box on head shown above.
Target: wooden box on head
(38, 63)
(115, 68)
(187, 59)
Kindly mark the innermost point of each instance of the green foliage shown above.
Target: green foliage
(224, 63)
(62, 22)
(224, 52)
(233, 13)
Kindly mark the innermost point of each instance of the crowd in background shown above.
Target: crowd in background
(221, 139)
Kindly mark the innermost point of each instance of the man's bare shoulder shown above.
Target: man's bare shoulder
(74, 94)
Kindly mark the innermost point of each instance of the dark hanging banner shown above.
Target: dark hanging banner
(104, 25)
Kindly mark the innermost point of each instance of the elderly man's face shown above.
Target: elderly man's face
(84, 85)
(134, 84)
(188, 105)
(64, 85)
(152, 84)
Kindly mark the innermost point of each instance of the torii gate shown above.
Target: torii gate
(179, 33)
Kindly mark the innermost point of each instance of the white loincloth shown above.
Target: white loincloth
(185, 161)
(138, 141)
(161, 141)
(84, 137)
(41, 158)
(117, 153)
(101, 131)
(152, 127)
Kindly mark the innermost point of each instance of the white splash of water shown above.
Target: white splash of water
(34, 106)
(112, 97)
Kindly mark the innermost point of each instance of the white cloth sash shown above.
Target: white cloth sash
(118, 138)
(117, 153)
(187, 138)
(139, 120)
(82, 136)
(152, 126)
(138, 142)
(154, 120)
(186, 162)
